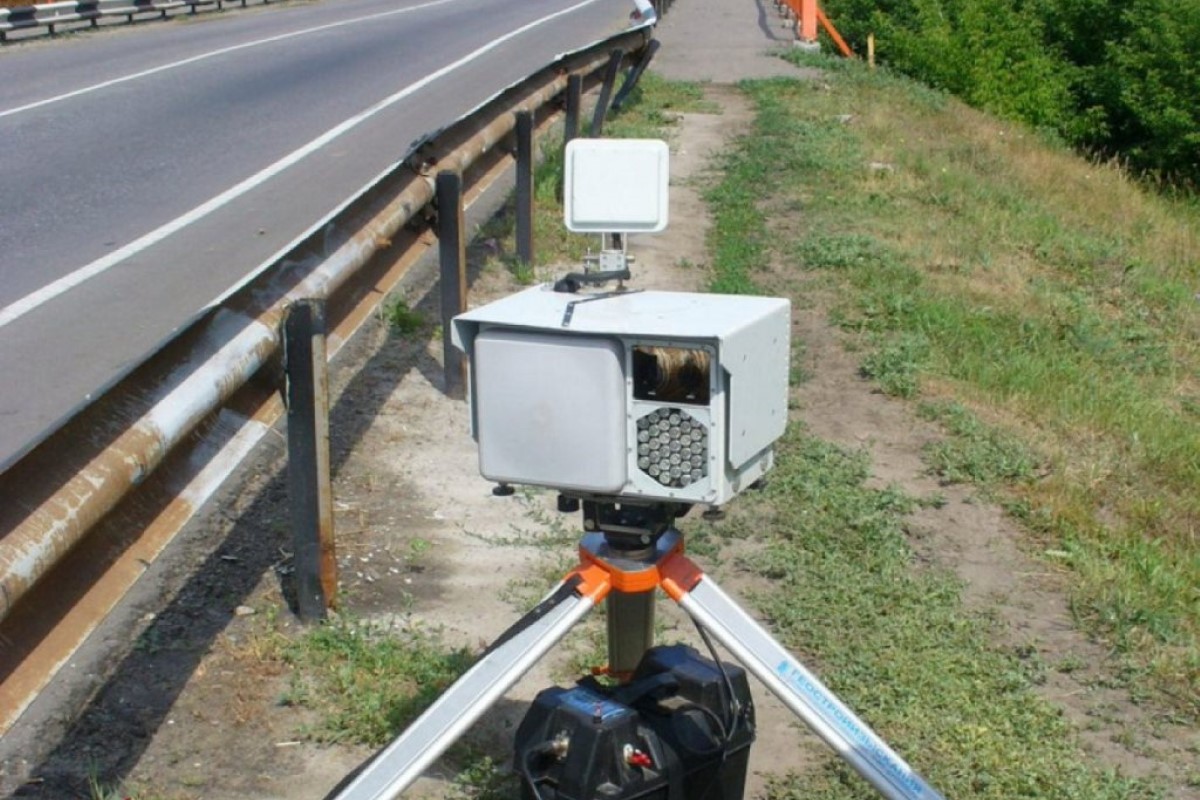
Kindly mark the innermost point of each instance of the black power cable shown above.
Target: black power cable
(731, 702)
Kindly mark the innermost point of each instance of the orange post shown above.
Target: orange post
(842, 47)
(807, 24)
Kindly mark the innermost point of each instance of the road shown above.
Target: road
(146, 172)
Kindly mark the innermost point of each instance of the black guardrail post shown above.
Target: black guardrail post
(524, 189)
(610, 78)
(574, 100)
(91, 10)
(635, 74)
(452, 255)
(309, 484)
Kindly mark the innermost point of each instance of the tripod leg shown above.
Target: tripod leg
(518, 649)
(806, 696)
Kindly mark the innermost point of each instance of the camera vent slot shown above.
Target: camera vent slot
(672, 447)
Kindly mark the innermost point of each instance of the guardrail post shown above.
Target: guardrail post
(574, 100)
(309, 485)
(610, 78)
(452, 255)
(524, 134)
(635, 74)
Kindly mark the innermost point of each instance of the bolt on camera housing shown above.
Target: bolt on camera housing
(642, 396)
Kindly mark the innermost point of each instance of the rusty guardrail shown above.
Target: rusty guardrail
(66, 488)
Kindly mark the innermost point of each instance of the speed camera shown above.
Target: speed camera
(653, 396)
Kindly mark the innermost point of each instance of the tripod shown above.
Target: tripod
(627, 553)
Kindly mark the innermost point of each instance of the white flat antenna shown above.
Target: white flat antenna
(614, 187)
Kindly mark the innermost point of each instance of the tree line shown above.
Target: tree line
(1118, 78)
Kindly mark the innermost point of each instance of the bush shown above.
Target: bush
(1116, 77)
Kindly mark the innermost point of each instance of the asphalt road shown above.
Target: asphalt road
(145, 172)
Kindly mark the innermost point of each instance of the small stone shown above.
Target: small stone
(243, 611)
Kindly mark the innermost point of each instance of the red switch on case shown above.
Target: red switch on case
(636, 758)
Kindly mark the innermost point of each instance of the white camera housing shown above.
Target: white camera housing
(563, 391)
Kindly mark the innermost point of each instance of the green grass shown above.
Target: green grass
(100, 791)
(1044, 304)
(402, 319)
(975, 452)
(894, 642)
(973, 282)
(366, 682)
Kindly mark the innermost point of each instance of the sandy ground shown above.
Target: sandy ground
(191, 712)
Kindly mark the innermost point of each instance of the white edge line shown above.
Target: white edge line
(213, 54)
(32, 301)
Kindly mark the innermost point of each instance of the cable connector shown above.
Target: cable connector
(637, 758)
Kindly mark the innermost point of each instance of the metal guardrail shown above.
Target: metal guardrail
(53, 15)
(63, 503)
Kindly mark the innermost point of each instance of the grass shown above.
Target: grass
(1037, 303)
(975, 452)
(893, 641)
(402, 319)
(100, 791)
(366, 682)
(1049, 333)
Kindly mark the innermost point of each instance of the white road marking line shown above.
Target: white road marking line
(20, 308)
(214, 53)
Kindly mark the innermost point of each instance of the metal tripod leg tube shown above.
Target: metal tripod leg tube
(403, 761)
(806, 696)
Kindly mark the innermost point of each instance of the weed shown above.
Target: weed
(367, 681)
(523, 272)
(98, 791)
(403, 320)
(896, 363)
(976, 453)
(1070, 663)
(484, 779)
